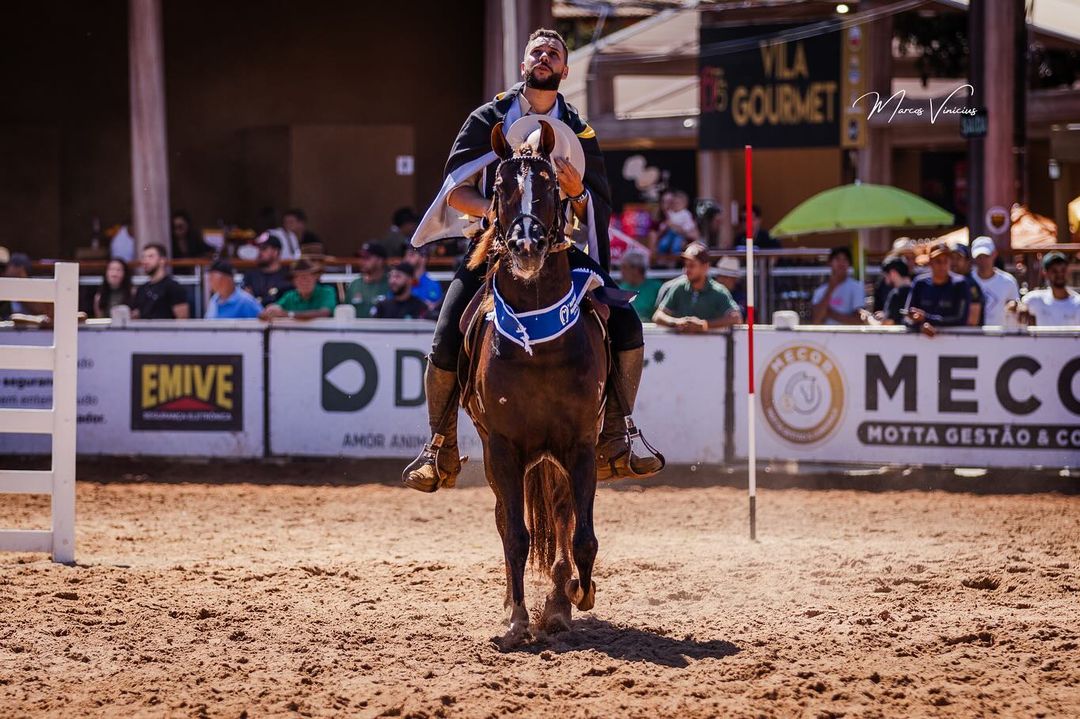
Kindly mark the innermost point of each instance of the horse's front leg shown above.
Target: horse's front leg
(582, 590)
(506, 474)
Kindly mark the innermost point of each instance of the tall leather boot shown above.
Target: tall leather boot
(438, 464)
(615, 458)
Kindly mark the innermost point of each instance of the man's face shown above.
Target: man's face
(893, 278)
(544, 66)
(696, 270)
(151, 260)
(371, 264)
(1057, 274)
(293, 224)
(840, 265)
(399, 282)
(985, 264)
(939, 267)
(960, 263)
(305, 283)
(268, 255)
(417, 260)
(631, 273)
(221, 283)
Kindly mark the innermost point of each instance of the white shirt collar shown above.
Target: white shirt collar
(526, 108)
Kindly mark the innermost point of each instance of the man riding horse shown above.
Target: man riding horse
(467, 190)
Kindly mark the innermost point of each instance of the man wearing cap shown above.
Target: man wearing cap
(371, 286)
(269, 280)
(998, 288)
(401, 303)
(960, 262)
(940, 299)
(226, 302)
(695, 302)
(308, 301)
(632, 269)
(729, 273)
(467, 192)
(1055, 305)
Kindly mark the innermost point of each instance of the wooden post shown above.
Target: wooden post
(999, 89)
(149, 153)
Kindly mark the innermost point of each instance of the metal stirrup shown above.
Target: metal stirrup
(632, 433)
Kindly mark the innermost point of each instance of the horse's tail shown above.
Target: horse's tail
(549, 513)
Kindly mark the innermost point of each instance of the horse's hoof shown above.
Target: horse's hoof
(556, 623)
(578, 597)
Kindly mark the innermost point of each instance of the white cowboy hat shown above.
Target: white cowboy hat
(729, 267)
(567, 144)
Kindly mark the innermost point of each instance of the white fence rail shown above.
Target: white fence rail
(61, 359)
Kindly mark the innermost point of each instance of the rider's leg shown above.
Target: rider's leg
(438, 464)
(614, 452)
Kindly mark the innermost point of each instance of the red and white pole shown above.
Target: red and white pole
(750, 406)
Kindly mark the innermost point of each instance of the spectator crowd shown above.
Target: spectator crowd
(957, 285)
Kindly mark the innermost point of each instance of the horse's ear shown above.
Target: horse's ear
(547, 139)
(498, 142)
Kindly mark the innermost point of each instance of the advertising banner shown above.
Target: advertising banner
(769, 94)
(352, 393)
(974, 400)
(159, 392)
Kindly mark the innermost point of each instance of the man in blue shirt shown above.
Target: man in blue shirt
(424, 285)
(940, 299)
(227, 302)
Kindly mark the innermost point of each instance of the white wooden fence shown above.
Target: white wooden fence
(61, 359)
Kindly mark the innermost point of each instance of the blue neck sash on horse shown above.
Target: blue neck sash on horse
(526, 329)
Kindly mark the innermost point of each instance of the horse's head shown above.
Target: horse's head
(527, 218)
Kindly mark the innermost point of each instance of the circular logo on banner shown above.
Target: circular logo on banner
(997, 220)
(802, 394)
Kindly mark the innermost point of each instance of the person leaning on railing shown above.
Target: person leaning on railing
(838, 301)
(940, 299)
(115, 288)
(1055, 304)
(308, 301)
(695, 302)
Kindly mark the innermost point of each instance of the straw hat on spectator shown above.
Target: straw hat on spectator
(729, 267)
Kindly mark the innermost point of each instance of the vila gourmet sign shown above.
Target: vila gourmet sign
(972, 400)
(186, 392)
(759, 89)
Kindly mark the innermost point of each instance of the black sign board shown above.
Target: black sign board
(756, 90)
(972, 126)
(192, 393)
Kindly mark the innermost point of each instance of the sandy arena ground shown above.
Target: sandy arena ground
(246, 600)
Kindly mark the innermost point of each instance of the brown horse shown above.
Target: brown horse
(537, 406)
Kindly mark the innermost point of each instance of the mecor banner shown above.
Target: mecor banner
(978, 400)
(346, 392)
(164, 392)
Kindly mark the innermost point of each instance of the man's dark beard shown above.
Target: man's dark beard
(400, 292)
(551, 83)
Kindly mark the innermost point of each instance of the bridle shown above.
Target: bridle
(551, 232)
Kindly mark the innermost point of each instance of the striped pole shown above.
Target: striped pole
(752, 460)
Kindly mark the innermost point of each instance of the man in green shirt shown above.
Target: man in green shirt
(632, 268)
(308, 301)
(695, 302)
(371, 286)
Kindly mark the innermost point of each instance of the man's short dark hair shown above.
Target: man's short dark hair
(297, 213)
(841, 250)
(403, 215)
(157, 247)
(552, 34)
(896, 263)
